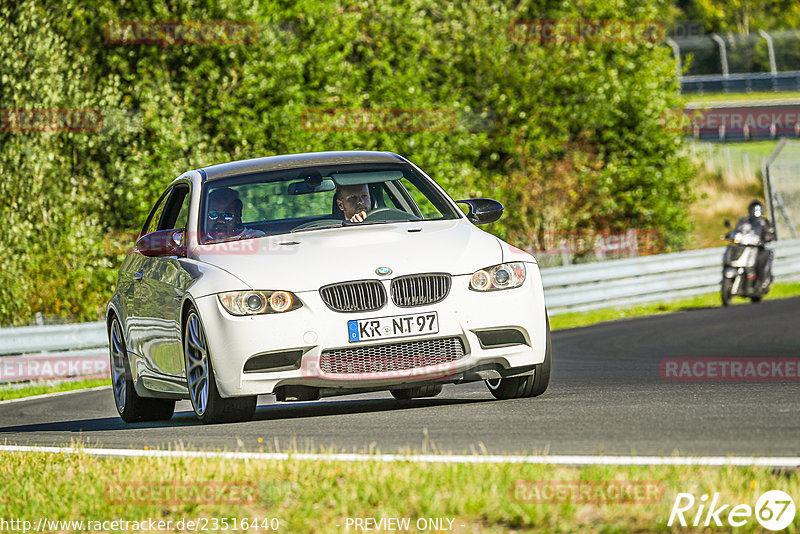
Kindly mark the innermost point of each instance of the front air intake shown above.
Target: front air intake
(501, 337)
(392, 357)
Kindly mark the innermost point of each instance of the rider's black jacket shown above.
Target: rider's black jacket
(761, 227)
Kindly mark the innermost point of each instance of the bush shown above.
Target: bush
(566, 136)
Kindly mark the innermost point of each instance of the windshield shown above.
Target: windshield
(313, 198)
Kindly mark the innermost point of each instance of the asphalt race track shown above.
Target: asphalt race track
(606, 396)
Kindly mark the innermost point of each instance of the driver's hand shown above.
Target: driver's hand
(359, 217)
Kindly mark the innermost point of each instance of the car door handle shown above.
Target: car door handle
(137, 276)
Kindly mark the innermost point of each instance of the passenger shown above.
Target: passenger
(224, 216)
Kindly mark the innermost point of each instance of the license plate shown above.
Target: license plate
(395, 326)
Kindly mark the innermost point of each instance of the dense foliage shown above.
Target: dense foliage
(566, 135)
(741, 16)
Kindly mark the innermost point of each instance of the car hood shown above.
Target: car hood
(305, 261)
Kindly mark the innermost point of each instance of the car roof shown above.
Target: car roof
(291, 161)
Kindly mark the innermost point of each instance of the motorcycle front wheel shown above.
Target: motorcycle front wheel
(725, 293)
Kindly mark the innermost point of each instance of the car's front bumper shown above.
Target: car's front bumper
(315, 328)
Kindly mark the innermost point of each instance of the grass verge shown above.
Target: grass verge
(8, 392)
(729, 177)
(320, 496)
(731, 97)
(572, 320)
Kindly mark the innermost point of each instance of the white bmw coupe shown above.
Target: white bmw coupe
(320, 274)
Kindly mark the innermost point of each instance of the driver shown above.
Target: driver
(224, 216)
(354, 201)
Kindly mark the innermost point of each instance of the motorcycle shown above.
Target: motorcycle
(739, 265)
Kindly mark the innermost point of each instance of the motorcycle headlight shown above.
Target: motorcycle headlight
(503, 276)
(737, 238)
(258, 302)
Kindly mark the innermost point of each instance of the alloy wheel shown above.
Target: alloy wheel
(196, 352)
(118, 372)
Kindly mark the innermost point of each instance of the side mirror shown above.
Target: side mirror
(483, 210)
(727, 223)
(161, 243)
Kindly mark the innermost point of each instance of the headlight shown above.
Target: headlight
(258, 302)
(737, 238)
(503, 276)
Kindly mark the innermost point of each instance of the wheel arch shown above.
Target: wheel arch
(186, 305)
(189, 304)
(111, 313)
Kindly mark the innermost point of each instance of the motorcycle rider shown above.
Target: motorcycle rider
(764, 230)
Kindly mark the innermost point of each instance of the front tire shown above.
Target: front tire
(131, 407)
(526, 386)
(725, 292)
(209, 406)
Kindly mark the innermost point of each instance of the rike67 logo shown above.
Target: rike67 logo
(774, 510)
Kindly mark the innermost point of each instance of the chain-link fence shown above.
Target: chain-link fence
(782, 172)
(760, 61)
(702, 55)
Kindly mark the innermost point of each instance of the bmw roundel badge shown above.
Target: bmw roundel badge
(383, 271)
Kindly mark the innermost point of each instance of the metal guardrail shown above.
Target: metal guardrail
(25, 339)
(741, 83)
(59, 352)
(72, 350)
(650, 279)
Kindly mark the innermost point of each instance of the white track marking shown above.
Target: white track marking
(776, 461)
(56, 394)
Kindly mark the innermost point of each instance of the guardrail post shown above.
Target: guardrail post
(727, 152)
(723, 55)
(676, 51)
(773, 67)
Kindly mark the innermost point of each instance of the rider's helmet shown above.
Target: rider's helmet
(755, 209)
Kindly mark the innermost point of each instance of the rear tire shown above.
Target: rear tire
(131, 407)
(725, 292)
(529, 385)
(430, 390)
(209, 406)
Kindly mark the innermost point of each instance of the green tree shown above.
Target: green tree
(566, 135)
